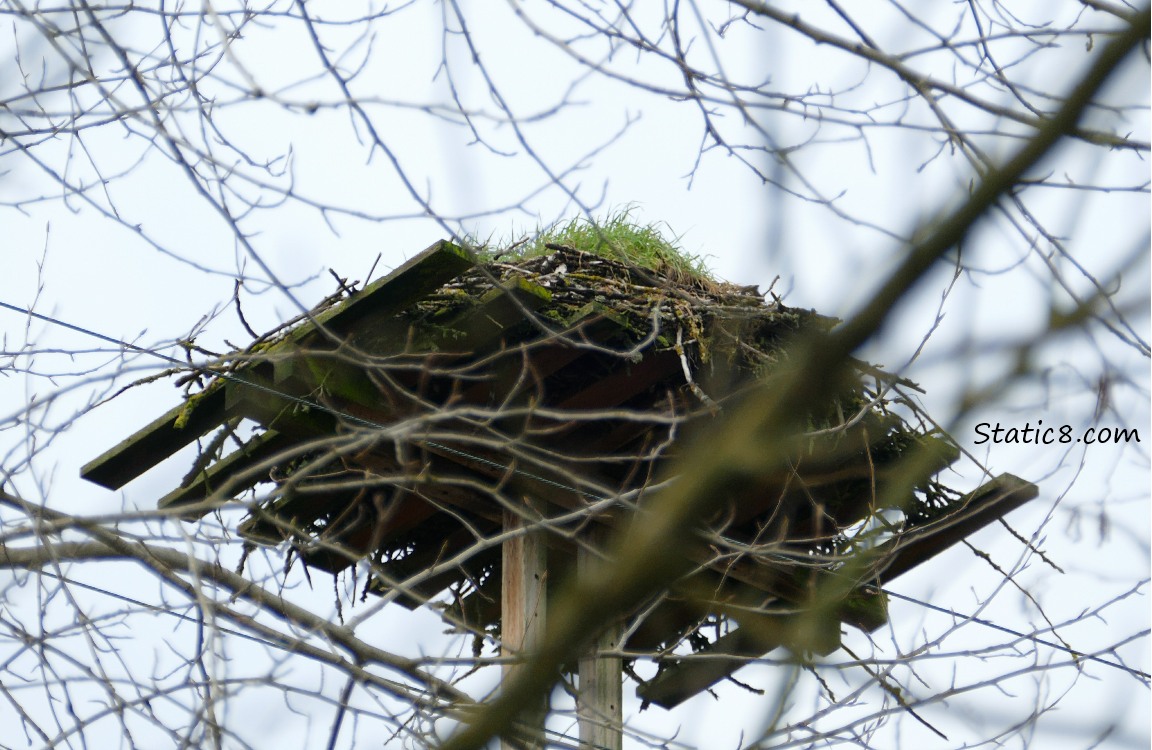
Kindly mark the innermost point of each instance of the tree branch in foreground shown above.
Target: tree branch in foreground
(755, 437)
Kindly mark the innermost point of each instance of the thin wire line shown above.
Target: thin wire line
(284, 646)
(235, 378)
(1035, 639)
(264, 641)
(203, 369)
(156, 609)
(495, 464)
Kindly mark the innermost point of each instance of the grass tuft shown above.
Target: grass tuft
(620, 238)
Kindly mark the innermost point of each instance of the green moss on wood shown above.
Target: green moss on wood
(189, 406)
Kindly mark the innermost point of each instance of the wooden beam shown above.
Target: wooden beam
(991, 501)
(407, 284)
(143, 450)
(628, 381)
(523, 600)
(599, 702)
(499, 310)
(417, 595)
(680, 681)
(339, 373)
(236, 471)
(167, 434)
(594, 322)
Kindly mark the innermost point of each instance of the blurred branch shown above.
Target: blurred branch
(755, 437)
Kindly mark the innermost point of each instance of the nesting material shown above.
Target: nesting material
(398, 425)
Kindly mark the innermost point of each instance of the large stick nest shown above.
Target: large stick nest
(715, 338)
(571, 376)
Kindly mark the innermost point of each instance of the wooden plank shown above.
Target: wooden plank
(681, 680)
(541, 481)
(333, 373)
(523, 617)
(837, 465)
(146, 448)
(628, 381)
(308, 371)
(987, 503)
(228, 471)
(527, 369)
(166, 434)
(417, 595)
(599, 702)
(592, 322)
(407, 284)
(499, 309)
(485, 322)
(419, 492)
(257, 398)
(763, 624)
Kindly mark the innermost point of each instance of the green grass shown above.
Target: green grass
(618, 237)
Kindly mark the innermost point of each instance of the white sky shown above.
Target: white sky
(1093, 514)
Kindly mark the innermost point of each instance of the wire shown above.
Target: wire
(285, 645)
(496, 464)
(1035, 639)
(203, 369)
(309, 403)
(163, 610)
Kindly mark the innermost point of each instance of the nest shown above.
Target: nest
(399, 425)
(573, 374)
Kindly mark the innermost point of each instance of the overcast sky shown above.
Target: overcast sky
(138, 254)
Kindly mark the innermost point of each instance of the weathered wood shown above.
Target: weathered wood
(626, 382)
(599, 702)
(167, 434)
(990, 502)
(755, 637)
(337, 372)
(430, 555)
(549, 485)
(499, 310)
(326, 374)
(255, 397)
(592, 323)
(523, 613)
(401, 349)
(418, 495)
(200, 413)
(788, 498)
(407, 284)
(680, 681)
(235, 471)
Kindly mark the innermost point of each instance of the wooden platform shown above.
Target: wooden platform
(402, 423)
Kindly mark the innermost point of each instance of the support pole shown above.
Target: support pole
(599, 706)
(523, 598)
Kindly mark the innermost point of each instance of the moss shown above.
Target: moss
(865, 607)
(189, 406)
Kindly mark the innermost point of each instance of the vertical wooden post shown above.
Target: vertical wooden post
(523, 599)
(600, 691)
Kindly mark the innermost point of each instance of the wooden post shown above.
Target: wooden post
(599, 705)
(523, 599)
